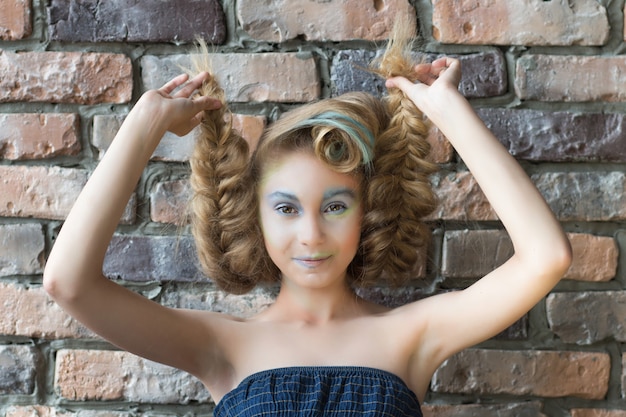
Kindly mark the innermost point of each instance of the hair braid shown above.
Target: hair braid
(224, 215)
(399, 193)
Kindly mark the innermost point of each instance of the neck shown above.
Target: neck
(313, 306)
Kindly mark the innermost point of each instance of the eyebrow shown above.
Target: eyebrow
(327, 195)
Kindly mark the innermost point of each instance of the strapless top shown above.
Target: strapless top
(331, 391)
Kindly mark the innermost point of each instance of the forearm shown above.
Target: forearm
(536, 234)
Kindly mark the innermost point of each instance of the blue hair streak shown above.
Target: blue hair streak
(361, 135)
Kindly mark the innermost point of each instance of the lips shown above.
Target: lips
(311, 262)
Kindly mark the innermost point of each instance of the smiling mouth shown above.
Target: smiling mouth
(312, 262)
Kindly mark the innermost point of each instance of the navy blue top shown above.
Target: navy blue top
(331, 391)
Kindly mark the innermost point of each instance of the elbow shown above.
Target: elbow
(56, 284)
(557, 260)
(51, 282)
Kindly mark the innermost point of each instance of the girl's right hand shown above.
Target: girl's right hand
(179, 110)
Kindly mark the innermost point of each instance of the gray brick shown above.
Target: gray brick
(524, 22)
(152, 258)
(559, 136)
(484, 73)
(18, 366)
(588, 196)
(21, 249)
(588, 317)
(136, 21)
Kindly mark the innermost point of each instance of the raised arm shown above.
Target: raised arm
(542, 251)
(73, 274)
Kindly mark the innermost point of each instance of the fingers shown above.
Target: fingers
(188, 86)
(192, 85)
(174, 84)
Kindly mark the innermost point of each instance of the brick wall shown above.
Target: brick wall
(547, 76)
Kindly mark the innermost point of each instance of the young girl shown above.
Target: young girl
(329, 201)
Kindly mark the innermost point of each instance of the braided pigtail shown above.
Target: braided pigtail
(399, 193)
(223, 206)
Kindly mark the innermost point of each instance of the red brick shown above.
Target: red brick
(38, 136)
(34, 191)
(281, 20)
(570, 78)
(44, 192)
(29, 312)
(245, 77)
(474, 253)
(595, 258)
(15, 19)
(96, 375)
(47, 411)
(528, 22)
(474, 410)
(169, 202)
(536, 373)
(460, 198)
(65, 77)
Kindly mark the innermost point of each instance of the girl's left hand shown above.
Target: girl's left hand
(434, 80)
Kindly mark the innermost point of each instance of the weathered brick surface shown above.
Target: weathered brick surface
(18, 369)
(199, 297)
(47, 411)
(281, 20)
(585, 196)
(65, 77)
(38, 136)
(594, 412)
(15, 19)
(474, 410)
(44, 192)
(570, 78)
(70, 71)
(474, 253)
(152, 258)
(30, 312)
(112, 375)
(526, 22)
(173, 148)
(21, 249)
(537, 373)
(623, 379)
(587, 317)
(559, 136)
(595, 258)
(38, 191)
(484, 73)
(281, 77)
(133, 21)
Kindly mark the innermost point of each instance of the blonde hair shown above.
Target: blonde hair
(382, 142)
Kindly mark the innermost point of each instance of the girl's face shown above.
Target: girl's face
(311, 220)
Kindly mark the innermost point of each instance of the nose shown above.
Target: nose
(311, 230)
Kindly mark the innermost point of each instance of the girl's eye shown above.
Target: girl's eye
(335, 208)
(286, 209)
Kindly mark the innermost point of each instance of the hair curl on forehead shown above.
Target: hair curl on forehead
(340, 131)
